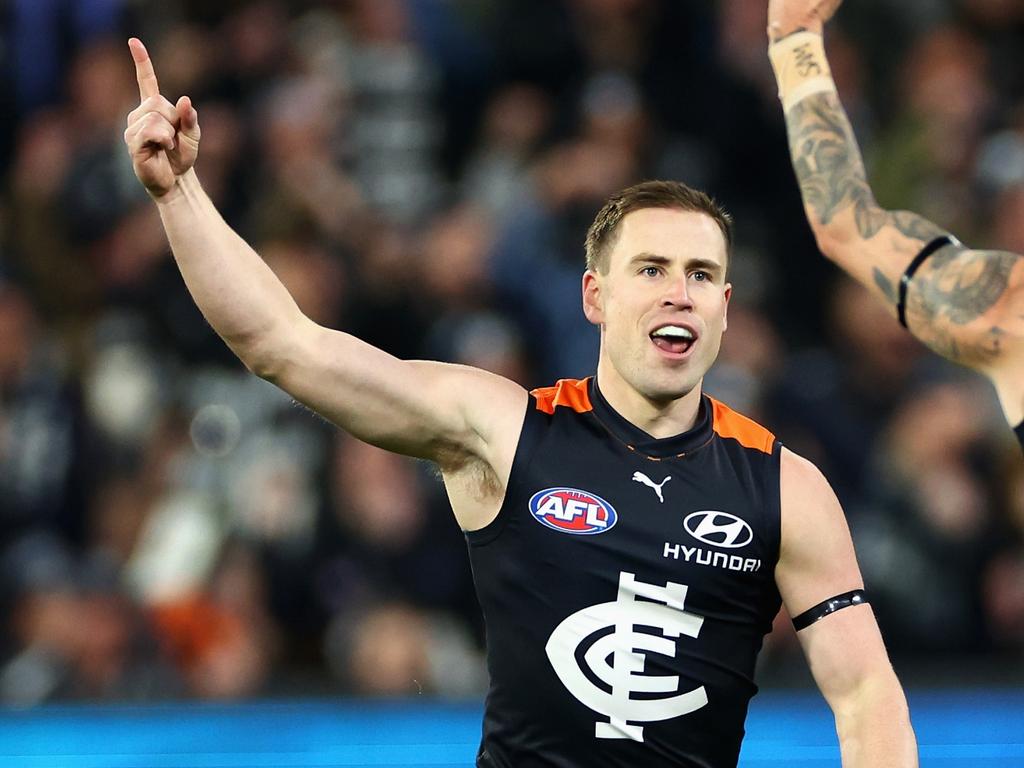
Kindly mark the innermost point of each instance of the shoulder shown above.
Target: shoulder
(811, 513)
(801, 475)
(806, 492)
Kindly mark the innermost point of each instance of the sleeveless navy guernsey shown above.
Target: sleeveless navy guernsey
(626, 584)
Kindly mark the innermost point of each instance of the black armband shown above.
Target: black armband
(830, 606)
(939, 242)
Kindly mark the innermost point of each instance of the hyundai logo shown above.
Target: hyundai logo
(719, 529)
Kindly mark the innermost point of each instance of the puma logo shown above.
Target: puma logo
(643, 479)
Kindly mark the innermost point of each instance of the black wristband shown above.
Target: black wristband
(828, 607)
(939, 242)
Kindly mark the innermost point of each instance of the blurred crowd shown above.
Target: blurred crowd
(421, 173)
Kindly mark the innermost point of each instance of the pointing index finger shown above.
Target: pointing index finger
(143, 70)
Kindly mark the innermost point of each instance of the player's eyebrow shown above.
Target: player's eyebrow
(650, 258)
(708, 265)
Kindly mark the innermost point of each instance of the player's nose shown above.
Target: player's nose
(676, 293)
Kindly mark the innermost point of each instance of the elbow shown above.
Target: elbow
(271, 364)
(832, 239)
(877, 724)
(837, 232)
(265, 367)
(261, 358)
(878, 693)
(270, 353)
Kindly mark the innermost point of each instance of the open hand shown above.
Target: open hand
(162, 138)
(788, 16)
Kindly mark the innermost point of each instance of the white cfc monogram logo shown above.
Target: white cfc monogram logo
(626, 647)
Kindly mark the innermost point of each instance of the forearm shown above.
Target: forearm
(233, 287)
(838, 200)
(840, 206)
(874, 727)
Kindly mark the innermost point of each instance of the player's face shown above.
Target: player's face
(662, 305)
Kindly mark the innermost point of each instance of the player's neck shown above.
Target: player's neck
(657, 418)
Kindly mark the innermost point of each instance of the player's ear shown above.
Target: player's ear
(593, 303)
(725, 308)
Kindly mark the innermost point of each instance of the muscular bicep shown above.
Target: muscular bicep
(817, 562)
(967, 305)
(964, 304)
(424, 409)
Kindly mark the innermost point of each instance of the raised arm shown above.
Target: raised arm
(465, 419)
(966, 305)
(844, 647)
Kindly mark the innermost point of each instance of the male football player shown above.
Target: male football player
(631, 538)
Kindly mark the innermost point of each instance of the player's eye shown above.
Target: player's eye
(701, 276)
(650, 271)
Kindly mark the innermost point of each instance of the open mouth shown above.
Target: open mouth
(674, 339)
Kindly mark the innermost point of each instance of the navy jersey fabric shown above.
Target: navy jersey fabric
(626, 584)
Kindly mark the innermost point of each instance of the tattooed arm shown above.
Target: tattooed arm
(959, 301)
(967, 305)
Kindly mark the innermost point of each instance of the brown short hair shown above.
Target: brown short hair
(650, 194)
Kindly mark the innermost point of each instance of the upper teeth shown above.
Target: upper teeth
(675, 331)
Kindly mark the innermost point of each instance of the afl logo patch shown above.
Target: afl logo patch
(571, 510)
(719, 529)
